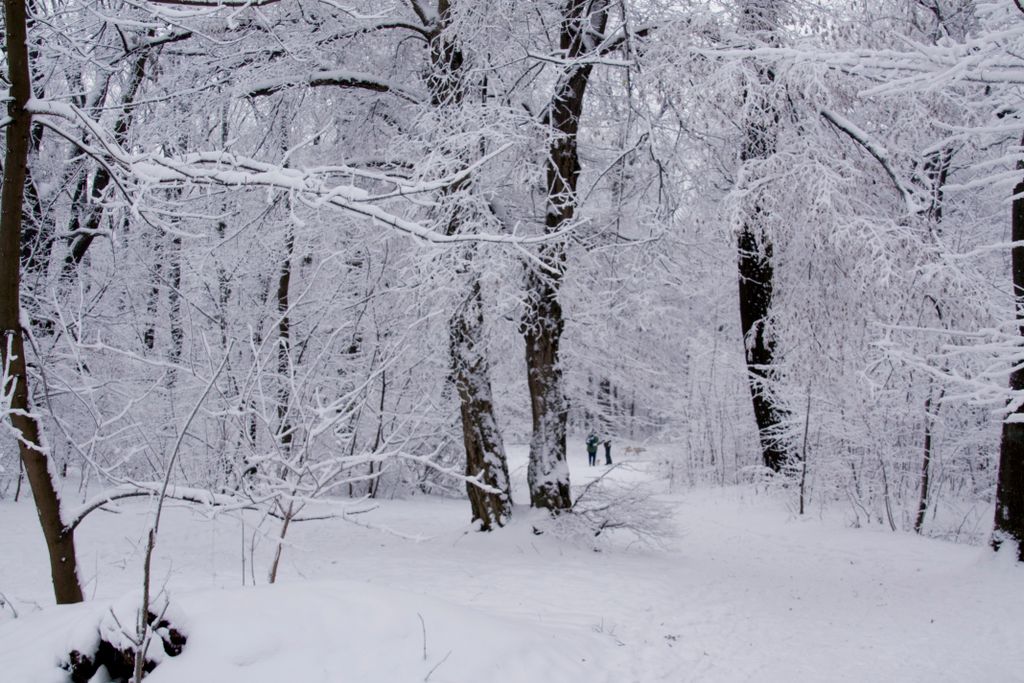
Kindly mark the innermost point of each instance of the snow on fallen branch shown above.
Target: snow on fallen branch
(383, 528)
(606, 504)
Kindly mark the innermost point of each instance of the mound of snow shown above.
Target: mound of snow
(322, 631)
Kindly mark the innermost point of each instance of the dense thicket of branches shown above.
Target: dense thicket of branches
(393, 241)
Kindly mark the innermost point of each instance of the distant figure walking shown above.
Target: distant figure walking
(608, 452)
(592, 442)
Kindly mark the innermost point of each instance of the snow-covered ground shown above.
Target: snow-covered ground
(741, 591)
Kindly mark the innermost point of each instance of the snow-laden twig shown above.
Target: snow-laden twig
(434, 668)
(336, 78)
(140, 489)
(579, 61)
(881, 155)
(230, 170)
(5, 602)
(428, 461)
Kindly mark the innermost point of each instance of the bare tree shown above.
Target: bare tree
(759, 19)
(485, 452)
(582, 37)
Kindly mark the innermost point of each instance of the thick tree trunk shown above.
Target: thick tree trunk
(755, 290)
(547, 473)
(583, 28)
(486, 461)
(59, 540)
(1009, 522)
(485, 452)
(756, 272)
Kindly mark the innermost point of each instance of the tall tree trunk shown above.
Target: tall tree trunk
(174, 310)
(926, 463)
(373, 483)
(485, 452)
(60, 541)
(583, 28)
(284, 341)
(755, 289)
(486, 461)
(1009, 521)
(153, 296)
(756, 272)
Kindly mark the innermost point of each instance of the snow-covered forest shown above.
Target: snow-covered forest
(342, 296)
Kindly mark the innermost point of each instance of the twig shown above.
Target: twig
(423, 627)
(590, 485)
(151, 537)
(878, 152)
(803, 472)
(436, 666)
(4, 601)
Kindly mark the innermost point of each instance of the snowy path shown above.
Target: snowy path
(744, 592)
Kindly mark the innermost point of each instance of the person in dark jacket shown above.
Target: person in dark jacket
(592, 442)
(607, 451)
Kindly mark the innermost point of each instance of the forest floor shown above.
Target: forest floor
(741, 589)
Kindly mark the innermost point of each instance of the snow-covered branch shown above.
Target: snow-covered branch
(881, 155)
(74, 517)
(336, 78)
(229, 170)
(215, 4)
(429, 462)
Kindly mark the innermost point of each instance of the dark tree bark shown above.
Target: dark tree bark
(174, 309)
(87, 215)
(1009, 522)
(153, 296)
(756, 271)
(37, 233)
(486, 461)
(223, 292)
(485, 452)
(582, 31)
(755, 289)
(59, 540)
(284, 341)
(936, 171)
(926, 461)
(284, 432)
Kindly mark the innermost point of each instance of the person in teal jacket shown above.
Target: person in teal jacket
(592, 442)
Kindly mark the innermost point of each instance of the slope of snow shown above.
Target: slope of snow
(743, 591)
